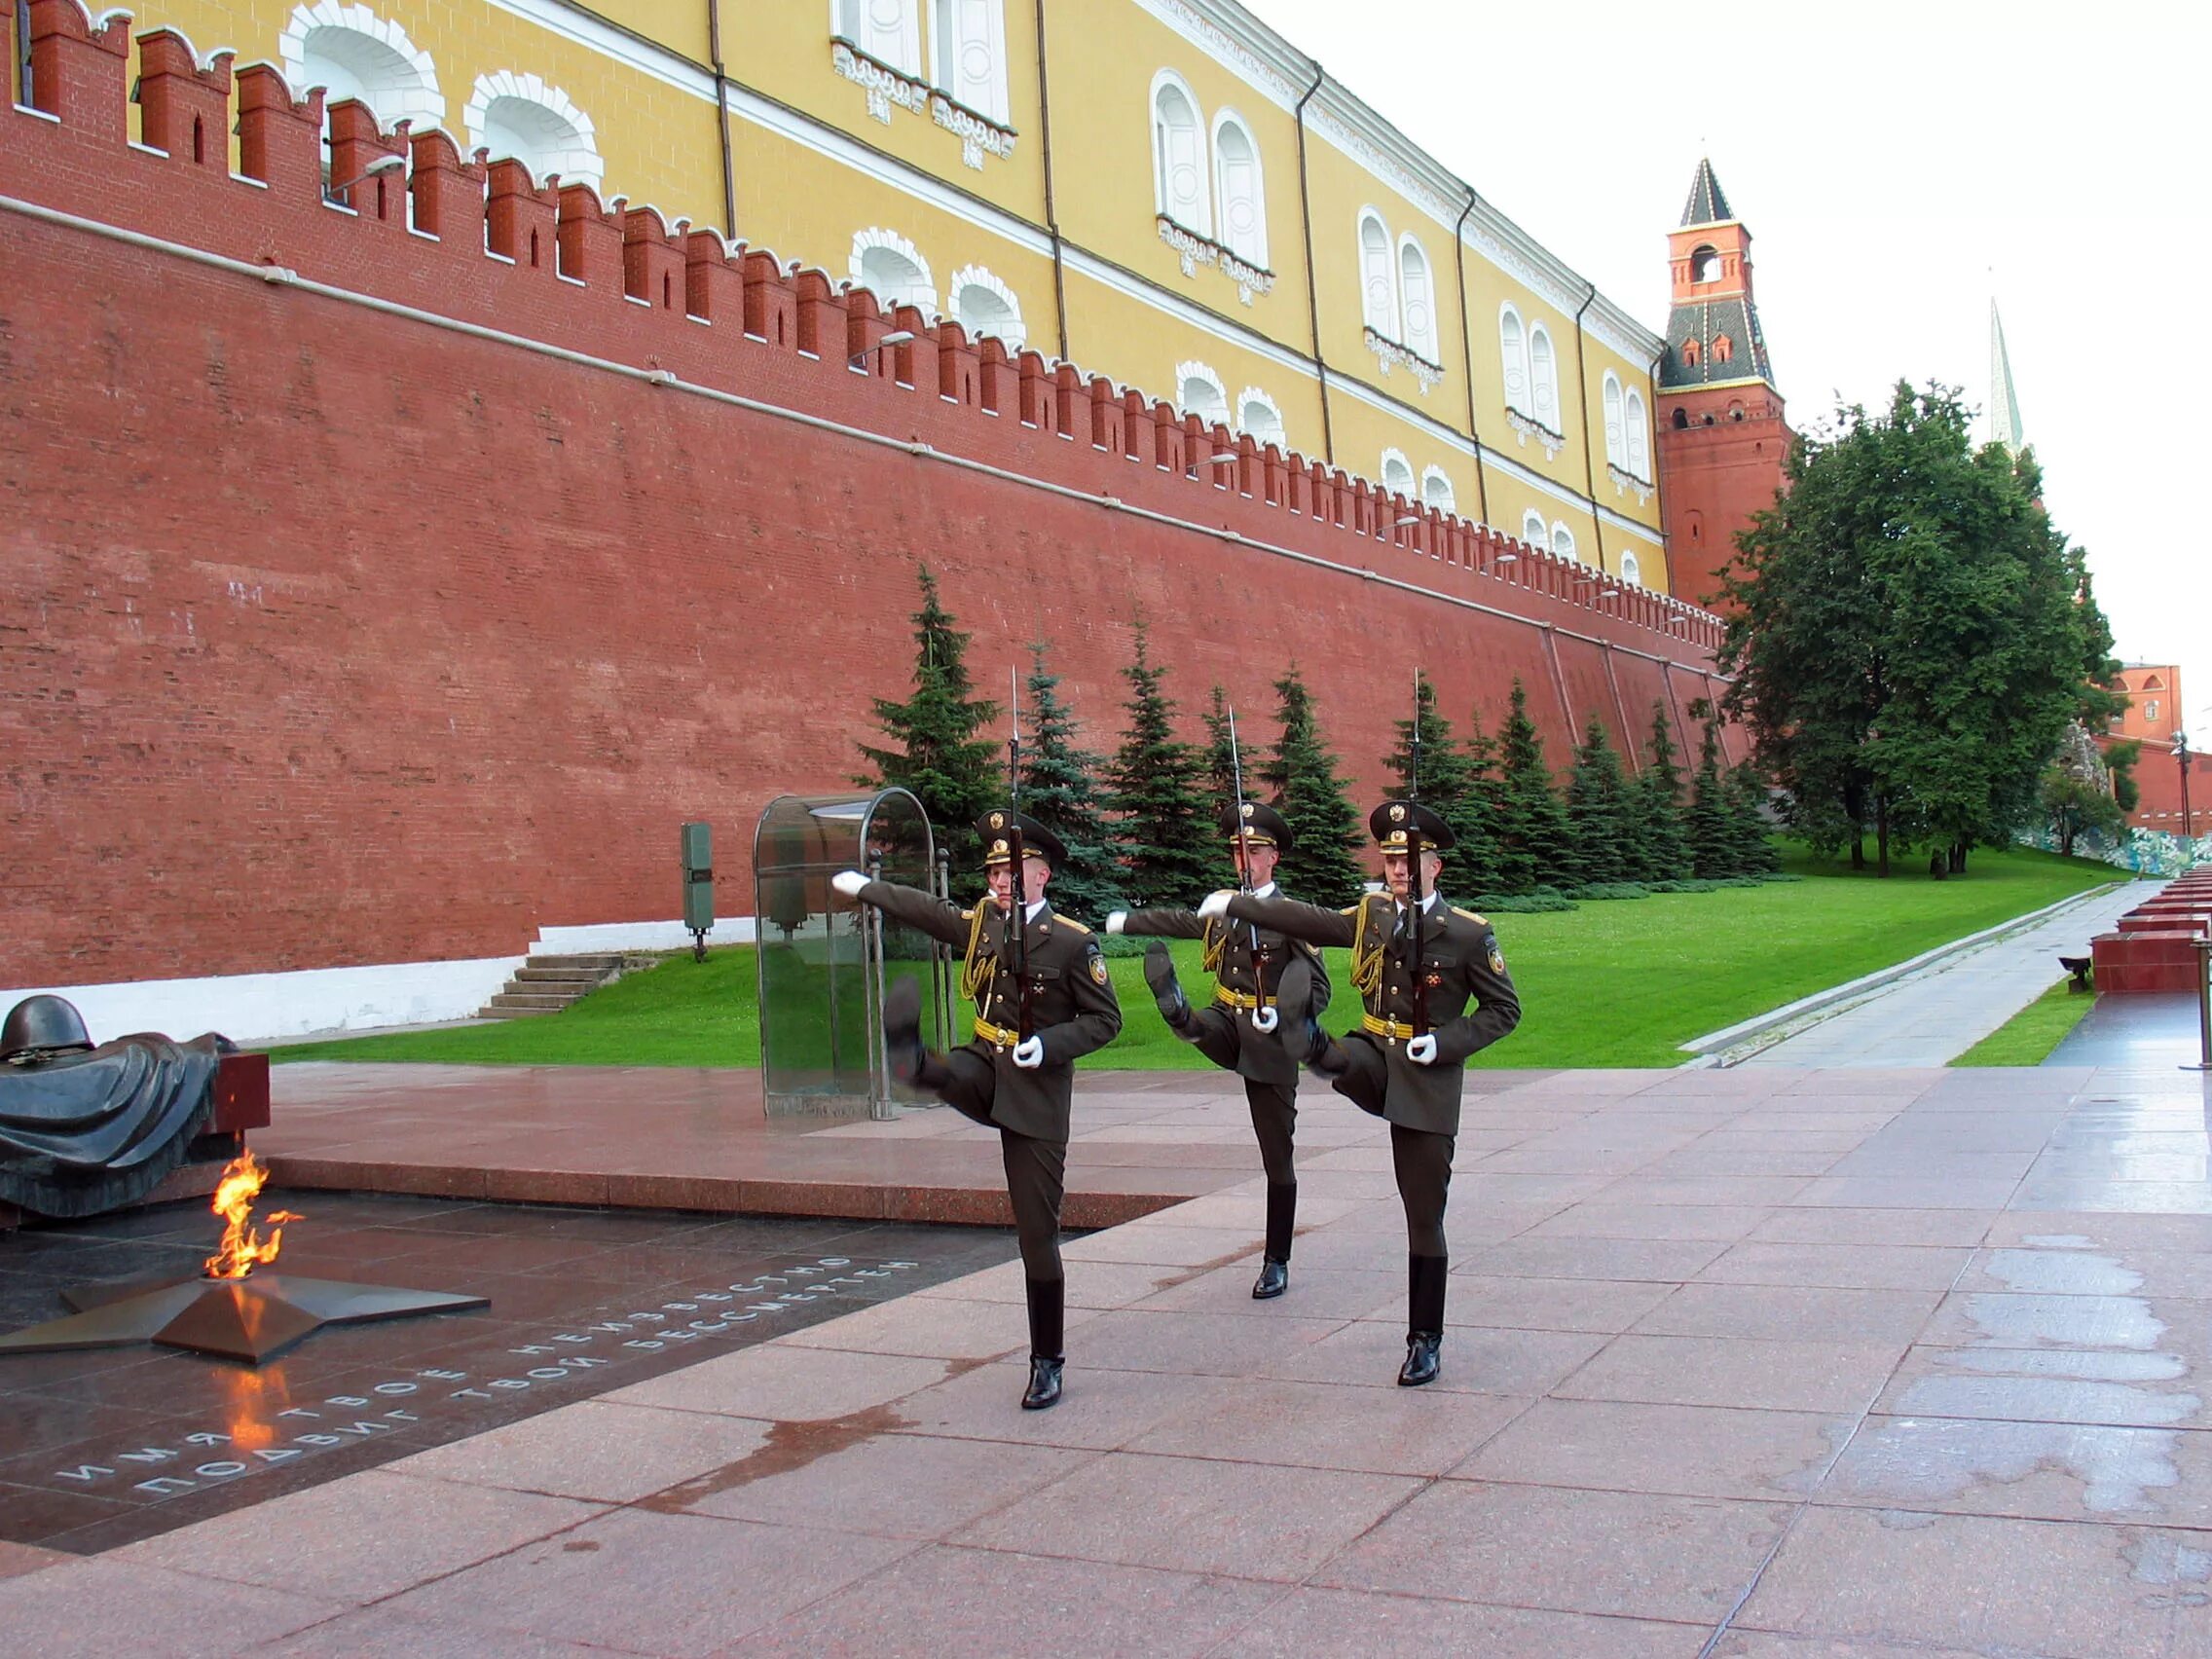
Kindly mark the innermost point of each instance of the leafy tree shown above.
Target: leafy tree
(1451, 785)
(1059, 790)
(1711, 828)
(934, 750)
(1307, 792)
(1911, 634)
(1156, 788)
(2120, 759)
(1535, 847)
(2074, 805)
(1598, 809)
(1655, 809)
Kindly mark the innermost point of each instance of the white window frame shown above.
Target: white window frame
(1563, 541)
(989, 98)
(901, 46)
(1513, 358)
(922, 294)
(1616, 431)
(1253, 248)
(1534, 531)
(1632, 569)
(579, 164)
(1543, 379)
(1639, 434)
(1398, 477)
(1268, 431)
(421, 103)
(1436, 490)
(1423, 341)
(1164, 198)
(1221, 414)
(1378, 312)
(976, 276)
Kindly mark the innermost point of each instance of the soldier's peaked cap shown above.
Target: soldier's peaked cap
(998, 827)
(1259, 821)
(1389, 821)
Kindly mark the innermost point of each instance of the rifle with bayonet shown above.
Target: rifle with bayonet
(1018, 924)
(1416, 968)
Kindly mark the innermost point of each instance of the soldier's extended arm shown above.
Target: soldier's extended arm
(1162, 921)
(1498, 1007)
(940, 918)
(1288, 916)
(1098, 1013)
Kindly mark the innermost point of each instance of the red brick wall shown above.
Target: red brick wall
(333, 637)
(1717, 477)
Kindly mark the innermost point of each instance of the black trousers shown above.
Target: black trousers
(1420, 1160)
(1036, 1170)
(1214, 1031)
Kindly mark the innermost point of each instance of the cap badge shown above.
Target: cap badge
(1397, 814)
(998, 821)
(1247, 809)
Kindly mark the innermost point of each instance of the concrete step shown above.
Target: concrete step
(488, 1011)
(603, 960)
(533, 1001)
(586, 977)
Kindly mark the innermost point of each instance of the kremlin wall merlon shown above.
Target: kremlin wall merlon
(385, 585)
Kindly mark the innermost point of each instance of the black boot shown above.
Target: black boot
(1167, 991)
(909, 1061)
(1283, 1219)
(1298, 1022)
(1047, 1321)
(1424, 1318)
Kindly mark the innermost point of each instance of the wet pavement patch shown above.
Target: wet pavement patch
(105, 1448)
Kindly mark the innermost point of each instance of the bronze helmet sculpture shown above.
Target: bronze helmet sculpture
(42, 1024)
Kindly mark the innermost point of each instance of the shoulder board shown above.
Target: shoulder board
(1470, 915)
(1070, 922)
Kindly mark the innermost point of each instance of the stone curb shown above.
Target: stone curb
(1711, 1047)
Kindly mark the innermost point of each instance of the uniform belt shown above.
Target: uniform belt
(1395, 1029)
(1228, 998)
(998, 1036)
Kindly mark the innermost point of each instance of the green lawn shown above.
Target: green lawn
(2029, 1036)
(1611, 984)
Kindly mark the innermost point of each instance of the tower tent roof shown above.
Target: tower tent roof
(1708, 203)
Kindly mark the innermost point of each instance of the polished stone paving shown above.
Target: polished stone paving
(2154, 1028)
(105, 1446)
(1742, 1364)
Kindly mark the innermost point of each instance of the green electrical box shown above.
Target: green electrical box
(698, 883)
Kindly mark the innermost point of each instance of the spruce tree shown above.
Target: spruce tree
(1319, 868)
(1747, 818)
(1450, 787)
(1711, 831)
(1655, 805)
(1060, 791)
(1597, 810)
(935, 752)
(1157, 791)
(1534, 846)
(1220, 770)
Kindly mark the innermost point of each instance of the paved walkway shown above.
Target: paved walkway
(1931, 1018)
(1756, 1364)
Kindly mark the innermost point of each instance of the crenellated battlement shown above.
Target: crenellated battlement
(479, 241)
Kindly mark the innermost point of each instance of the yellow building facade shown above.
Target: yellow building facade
(1166, 192)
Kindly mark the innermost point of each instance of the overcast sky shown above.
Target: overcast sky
(1896, 164)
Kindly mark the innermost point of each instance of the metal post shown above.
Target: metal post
(879, 1101)
(2203, 1006)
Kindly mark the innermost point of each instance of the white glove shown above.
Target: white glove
(1421, 1050)
(1215, 905)
(1263, 1020)
(1117, 921)
(1029, 1052)
(848, 882)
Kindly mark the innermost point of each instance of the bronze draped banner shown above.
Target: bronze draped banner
(85, 1133)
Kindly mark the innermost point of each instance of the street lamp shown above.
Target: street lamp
(383, 164)
(897, 337)
(2179, 752)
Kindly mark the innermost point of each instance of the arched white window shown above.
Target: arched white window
(1377, 290)
(968, 49)
(1543, 378)
(1179, 155)
(1632, 569)
(983, 305)
(1563, 541)
(1200, 392)
(1436, 490)
(1513, 352)
(890, 265)
(887, 31)
(1257, 414)
(1398, 474)
(1639, 434)
(352, 52)
(1617, 436)
(520, 117)
(1417, 300)
(1533, 530)
(1237, 190)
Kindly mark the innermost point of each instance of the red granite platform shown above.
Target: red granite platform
(2154, 948)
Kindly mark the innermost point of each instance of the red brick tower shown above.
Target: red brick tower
(1721, 436)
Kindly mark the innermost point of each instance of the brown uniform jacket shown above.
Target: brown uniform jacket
(1072, 1006)
(1459, 961)
(1246, 960)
